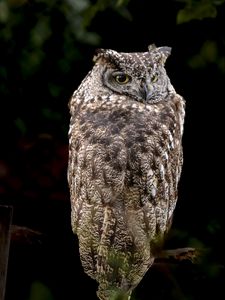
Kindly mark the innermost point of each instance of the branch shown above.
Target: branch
(179, 254)
(25, 235)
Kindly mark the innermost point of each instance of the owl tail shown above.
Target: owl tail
(112, 266)
(112, 294)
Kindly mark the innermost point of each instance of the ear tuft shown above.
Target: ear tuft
(165, 50)
(99, 53)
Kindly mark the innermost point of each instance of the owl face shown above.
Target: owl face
(141, 76)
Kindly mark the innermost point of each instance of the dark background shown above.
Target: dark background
(46, 48)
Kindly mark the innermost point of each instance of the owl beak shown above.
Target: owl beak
(147, 91)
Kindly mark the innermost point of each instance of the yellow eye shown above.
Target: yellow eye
(122, 78)
(154, 78)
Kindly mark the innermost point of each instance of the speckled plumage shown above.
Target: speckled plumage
(125, 159)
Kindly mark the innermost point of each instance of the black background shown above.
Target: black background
(33, 162)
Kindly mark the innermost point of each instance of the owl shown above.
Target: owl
(125, 161)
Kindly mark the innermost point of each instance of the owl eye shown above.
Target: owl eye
(122, 78)
(154, 78)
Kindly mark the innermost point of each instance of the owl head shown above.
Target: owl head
(140, 75)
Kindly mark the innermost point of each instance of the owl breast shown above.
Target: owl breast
(124, 167)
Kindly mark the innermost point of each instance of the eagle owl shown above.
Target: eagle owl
(125, 160)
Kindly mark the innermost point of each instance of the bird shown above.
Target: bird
(124, 166)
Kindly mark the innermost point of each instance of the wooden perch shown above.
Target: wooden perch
(5, 224)
(179, 254)
(25, 235)
(29, 236)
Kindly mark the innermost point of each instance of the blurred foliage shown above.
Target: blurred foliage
(32, 24)
(79, 15)
(119, 5)
(13, 13)
(42, 43)
(40, 291)
(198, 10)
(20, 126)
(207, 55)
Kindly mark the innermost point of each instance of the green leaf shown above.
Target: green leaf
(20, 124)
(40, 291)
(209, 51)
(51, 115)
(213, 226)
(122, 2)
(40, 32)
(198, 11)
(4, 12)
(207, 54)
